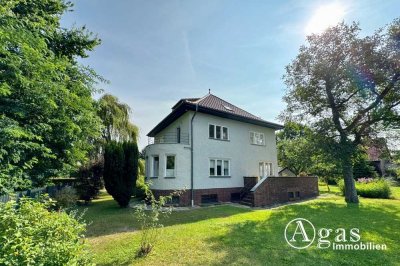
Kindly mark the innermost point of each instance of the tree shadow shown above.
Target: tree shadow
(263, 242)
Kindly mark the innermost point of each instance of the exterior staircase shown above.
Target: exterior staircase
(246, 195)
(248, 199)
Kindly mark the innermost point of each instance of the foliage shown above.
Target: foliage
(148, 216)
(48, 119)
(115, 117)
(294, 148)
(370, 188)
(347, 88)
(140, 189)
(30, 234)
(66, 197)
(121, 170)
(89, 180)
(361, 166)
(302, 150)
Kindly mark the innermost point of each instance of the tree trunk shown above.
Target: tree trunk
(350, 191)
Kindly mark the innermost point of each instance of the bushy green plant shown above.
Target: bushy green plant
(89, 180)
(148, 216)
(121, 170)
(140, 189)
(32, 234)
(376, 189)
(66, 197)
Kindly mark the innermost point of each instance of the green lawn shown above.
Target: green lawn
(241, 236)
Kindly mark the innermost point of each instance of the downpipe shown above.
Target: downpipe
(191, 157)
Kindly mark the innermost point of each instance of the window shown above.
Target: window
(211, 198)
(211, 131)
(170, 166)
(226, 168)
(265, 169)
(225, 133)
(156, 164)
(219, 167)
(178, 135)
(218, 132)
(294, 195)
(212, 167)
(257, 138)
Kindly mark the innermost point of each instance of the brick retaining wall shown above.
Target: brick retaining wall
(223, 194)
(277, 189)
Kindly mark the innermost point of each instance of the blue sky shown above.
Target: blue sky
(156, 52)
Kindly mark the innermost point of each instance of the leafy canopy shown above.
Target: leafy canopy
(48, 118)
(346, 88)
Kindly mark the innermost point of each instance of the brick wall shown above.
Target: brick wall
(223, 194)
(276, 189)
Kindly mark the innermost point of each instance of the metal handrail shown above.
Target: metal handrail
(170, 138)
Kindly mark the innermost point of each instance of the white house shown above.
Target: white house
(206, 146)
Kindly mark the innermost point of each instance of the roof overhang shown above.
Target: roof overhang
(184, 106)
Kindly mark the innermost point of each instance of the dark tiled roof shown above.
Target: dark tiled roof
(211, 104)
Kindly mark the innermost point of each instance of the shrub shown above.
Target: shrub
(140, 189)
(31, 234)
(148, 216)
(370, 189)
(66, 197)
(121, 170)
(89, 181)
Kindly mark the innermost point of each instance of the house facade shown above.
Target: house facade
(206, 147)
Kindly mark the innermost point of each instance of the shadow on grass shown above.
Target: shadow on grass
(263, 242)
(106, 217)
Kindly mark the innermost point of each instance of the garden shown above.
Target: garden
(73, 189)
(231, 234)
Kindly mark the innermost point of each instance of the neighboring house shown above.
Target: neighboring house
(285, 172)
(207, 146)
(379, 155)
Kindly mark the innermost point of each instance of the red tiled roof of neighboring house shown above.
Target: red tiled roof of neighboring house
(213, 105)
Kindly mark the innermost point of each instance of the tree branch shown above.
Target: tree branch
(375, 103)
(334, 108)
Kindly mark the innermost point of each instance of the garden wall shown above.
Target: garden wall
(282, 189)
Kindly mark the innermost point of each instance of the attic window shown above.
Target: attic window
(227, 108)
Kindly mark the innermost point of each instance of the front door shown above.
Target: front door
(265, 169)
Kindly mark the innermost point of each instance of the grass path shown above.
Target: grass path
(226, 234)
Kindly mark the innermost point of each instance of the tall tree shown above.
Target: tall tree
(346, 87)
(48, 119)
(121, 170)
(115, 117)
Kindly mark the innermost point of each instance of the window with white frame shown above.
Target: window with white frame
(265, 169)
(156, 166)
(219, 167)
(218, 132)
(257, 138)
(170, 166)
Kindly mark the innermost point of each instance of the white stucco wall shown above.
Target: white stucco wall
(182, 166)
(244, 157)
(182, 158)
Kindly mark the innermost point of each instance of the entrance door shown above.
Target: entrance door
(265, 169)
